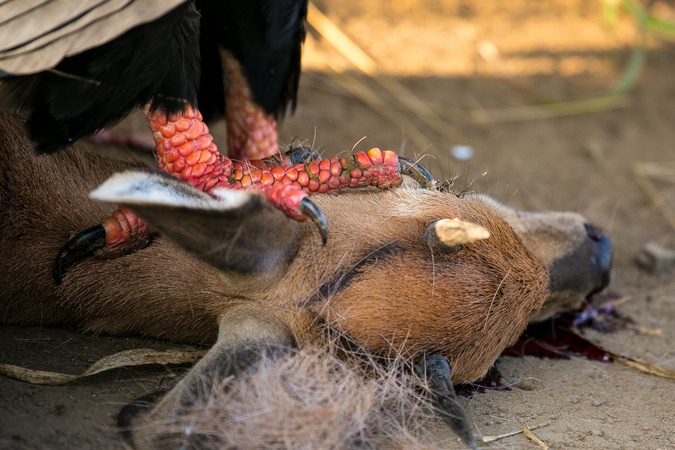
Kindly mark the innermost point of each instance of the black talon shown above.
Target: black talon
(83, 244)
(436, 370)
(416, 172)
(308, 208)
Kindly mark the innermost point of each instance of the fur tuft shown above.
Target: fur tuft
(306, 399)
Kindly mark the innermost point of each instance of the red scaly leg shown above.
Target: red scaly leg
(183, 148)
(251, 132)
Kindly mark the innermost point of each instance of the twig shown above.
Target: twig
(535, 439)
(513, 433)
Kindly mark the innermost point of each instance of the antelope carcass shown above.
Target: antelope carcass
(423, 274)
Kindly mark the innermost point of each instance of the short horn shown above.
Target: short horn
(453, 232)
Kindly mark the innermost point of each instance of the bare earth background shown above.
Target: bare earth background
(485, 67)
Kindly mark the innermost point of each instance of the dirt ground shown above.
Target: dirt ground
(485, 68)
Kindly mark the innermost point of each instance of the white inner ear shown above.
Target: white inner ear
(154, 188)
(230, 198)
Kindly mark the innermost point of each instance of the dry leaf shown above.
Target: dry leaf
(127, 358)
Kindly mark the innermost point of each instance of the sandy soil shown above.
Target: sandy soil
(485, 69)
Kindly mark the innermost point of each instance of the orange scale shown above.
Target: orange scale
(335, 169)
(375, 156)
(187, 148)
(194, 131)
(303, 178)
(168, 130)
(198, 170)
(313, 185)
(183, 124)
(177, 140)
(325, 164)
(192, 158)
(324, 176)
(363, 160)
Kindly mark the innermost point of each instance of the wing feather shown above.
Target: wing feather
(36, 35)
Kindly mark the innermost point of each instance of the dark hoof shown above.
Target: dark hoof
(308, 208)
(436, 370)
(82, 245)
(416, 172)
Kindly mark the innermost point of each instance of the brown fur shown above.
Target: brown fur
(376, 279)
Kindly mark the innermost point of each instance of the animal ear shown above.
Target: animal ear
(238, 232)
(448, 235)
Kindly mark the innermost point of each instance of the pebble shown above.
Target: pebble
(655, 257)
(526, 385)
(462, 152)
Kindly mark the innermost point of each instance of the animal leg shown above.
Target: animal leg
(436, 370)
(247, 334)
(251, 131)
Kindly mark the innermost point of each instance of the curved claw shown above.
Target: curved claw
(308, 208)
(416, 172)
(83, 244)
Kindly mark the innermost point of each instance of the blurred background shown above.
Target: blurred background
(565, 105)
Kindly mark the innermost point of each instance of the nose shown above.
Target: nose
(601, 256)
